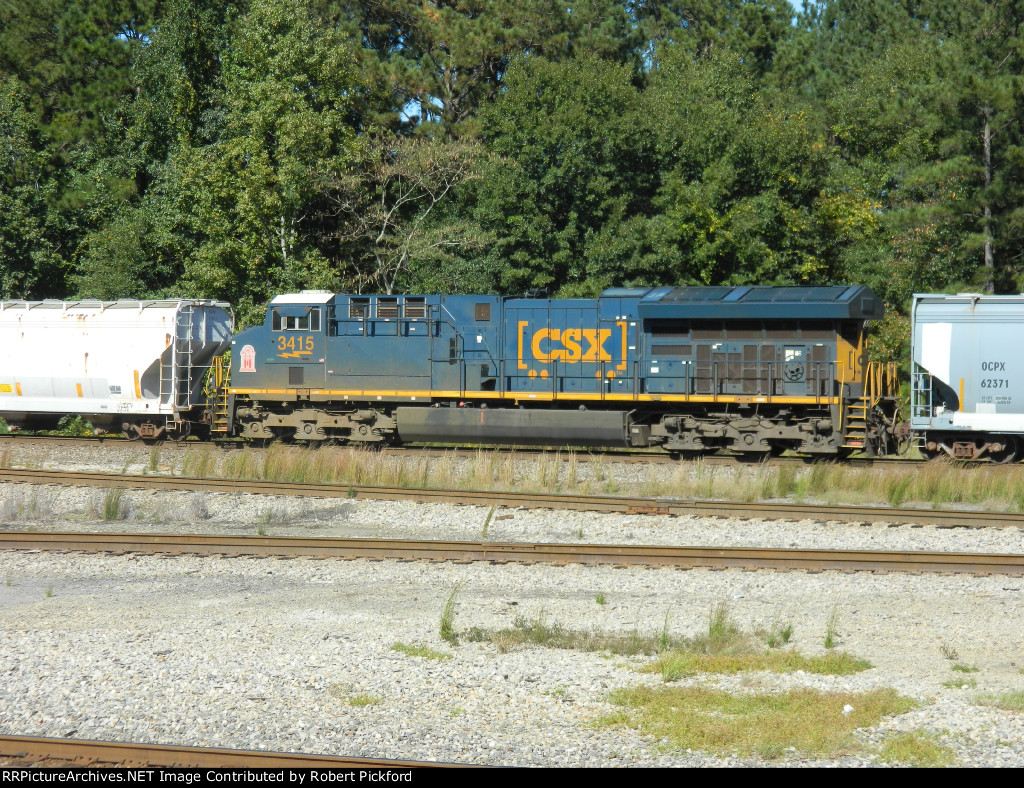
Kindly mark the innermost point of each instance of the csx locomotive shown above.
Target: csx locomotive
(689, 369)
(756, 370)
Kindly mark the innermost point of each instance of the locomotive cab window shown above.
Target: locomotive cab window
(307, 322)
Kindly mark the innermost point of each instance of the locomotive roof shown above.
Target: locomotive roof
(842, 302)
(123, 303)
(305, 297)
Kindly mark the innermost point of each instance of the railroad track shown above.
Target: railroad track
(34, 751)
(522, 552)
(601, 503)
(579, 455)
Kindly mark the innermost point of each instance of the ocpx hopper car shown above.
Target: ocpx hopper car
(135, 367)
(967, 380)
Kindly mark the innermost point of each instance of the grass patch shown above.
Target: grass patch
(723, 649)
(937, 484)
(960, 683)
(420, 651)
(915, 749)
(778, 634)
(447, 626)
(961, 668)
(1011, 701)
(766, 725)
(49, 591)
(832, 628)
(364, 699)
(679, 664)
(600, 599)
(539, 632)
(949, 652)
(113, 506)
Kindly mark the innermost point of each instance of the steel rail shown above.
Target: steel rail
(612, 455)
(30, 750)
(600, 503)
(522, 552)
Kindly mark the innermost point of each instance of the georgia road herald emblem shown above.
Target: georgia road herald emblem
(247, 359)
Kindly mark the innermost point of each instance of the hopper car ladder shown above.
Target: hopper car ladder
(176, 371)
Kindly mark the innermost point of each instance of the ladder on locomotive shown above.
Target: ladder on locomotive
(220, 379)
(881, 382)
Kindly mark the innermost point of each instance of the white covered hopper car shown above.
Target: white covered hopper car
(967, 386)
(131, 366)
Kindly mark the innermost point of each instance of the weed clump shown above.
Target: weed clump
(447, 626)
(420, 651)
(766, 725)
(113, 507)
(916, 749)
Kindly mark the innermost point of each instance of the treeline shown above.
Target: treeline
(238, 149)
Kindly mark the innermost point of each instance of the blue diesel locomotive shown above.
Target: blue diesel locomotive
(690, 369)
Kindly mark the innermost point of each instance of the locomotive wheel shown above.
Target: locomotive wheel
(1009, 452)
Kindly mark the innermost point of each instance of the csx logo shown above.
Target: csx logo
(570, 345)
(993, 366)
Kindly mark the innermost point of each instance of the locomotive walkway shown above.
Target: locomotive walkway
(601, 503)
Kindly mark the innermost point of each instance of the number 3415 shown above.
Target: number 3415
(295, 344)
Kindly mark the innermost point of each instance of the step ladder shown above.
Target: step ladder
(881, 381)
(221, 378)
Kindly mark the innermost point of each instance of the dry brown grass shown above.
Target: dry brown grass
(935, 484)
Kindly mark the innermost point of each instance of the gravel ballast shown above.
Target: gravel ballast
(296, 655)
(277, 654)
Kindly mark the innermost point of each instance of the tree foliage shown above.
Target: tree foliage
(237, 148)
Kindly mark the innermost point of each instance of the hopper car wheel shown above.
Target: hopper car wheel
(129, 433)
(1009, 453)
(930, 454)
